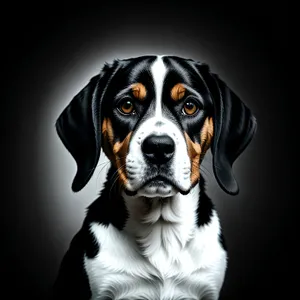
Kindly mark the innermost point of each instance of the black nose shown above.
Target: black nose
(158, 149)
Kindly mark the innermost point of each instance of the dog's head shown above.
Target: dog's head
(155, 118)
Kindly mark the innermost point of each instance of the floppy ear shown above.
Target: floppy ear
(79, 127)
(234, 128)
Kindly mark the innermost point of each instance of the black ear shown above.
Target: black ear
(234, 128)
(79, 127)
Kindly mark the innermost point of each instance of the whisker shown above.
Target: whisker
(116, 172)
(119, 158)
(105, 164)
(206, 171)
(111, 187)
(101, 172)
(201, 166)
(203, 169)
(117, 177)
(100, 164)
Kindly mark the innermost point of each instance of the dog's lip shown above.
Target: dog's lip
(130, 193)
(158, 180)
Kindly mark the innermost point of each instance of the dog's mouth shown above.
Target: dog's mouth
(159, 182)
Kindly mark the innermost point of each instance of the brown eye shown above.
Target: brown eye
(127, 107)
(190, 108)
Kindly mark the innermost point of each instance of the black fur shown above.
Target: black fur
(79, 127)
(108, 209)
(234, 128)
(205, 206)
(223, 241)
(72, 281)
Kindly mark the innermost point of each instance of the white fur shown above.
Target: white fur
(158, 71)
(161, 254)
(158, 125)
(137, 166)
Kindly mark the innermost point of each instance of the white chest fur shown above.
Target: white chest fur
(158, 259)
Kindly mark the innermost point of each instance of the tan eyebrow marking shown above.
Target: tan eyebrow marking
(139, 91)
(177, 92)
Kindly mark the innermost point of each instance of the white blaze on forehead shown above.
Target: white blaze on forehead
(158, 71)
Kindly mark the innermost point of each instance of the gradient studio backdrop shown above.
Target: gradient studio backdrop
(51, 56)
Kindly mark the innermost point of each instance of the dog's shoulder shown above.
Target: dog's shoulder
(72, 281)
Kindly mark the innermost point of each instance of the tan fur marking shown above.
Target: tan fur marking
(206, 135)
(120, 150)
(194, 152)
(116, 152)
(139, 91)
(177, 92)
(108, 137)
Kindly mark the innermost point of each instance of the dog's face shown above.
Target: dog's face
(155, 117)
(156, 124)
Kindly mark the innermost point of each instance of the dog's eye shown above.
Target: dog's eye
(127, 107)
(190, 108)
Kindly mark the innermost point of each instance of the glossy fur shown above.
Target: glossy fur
(153, 233)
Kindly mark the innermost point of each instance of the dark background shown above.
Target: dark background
(46, 50)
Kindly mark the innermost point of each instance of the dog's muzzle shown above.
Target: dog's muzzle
(158, 178)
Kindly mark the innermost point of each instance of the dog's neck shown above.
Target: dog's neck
(162, 227)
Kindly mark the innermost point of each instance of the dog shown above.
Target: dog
(153, 233)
